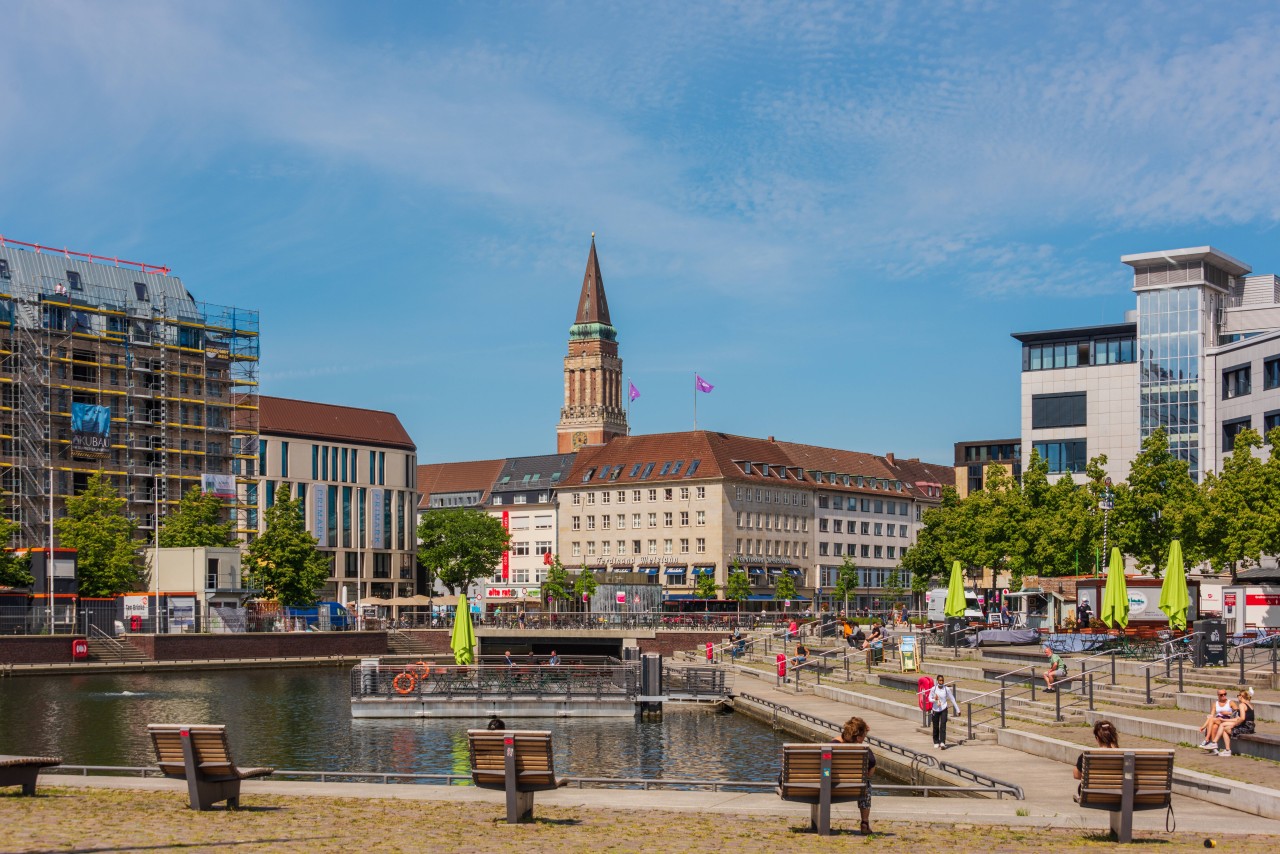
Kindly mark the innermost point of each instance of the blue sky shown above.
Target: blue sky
(835, 212)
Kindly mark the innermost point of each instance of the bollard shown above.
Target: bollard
(1147, 673)
(1001, 704)
(1057, 704)
(1033, 684)
(1240, 650)
(1180, 688)
(968, 707)
(1113, 667)
(1273, 658)
(1167, 665)
(1091, 692)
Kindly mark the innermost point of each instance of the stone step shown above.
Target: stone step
(103, 650)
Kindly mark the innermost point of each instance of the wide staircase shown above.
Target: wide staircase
(402, 643)
(105, 648)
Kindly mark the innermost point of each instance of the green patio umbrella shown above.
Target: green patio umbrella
(954, 606)
(463, 639)
(1115, 598)
(1174, 600)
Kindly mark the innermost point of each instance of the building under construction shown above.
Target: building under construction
(113, 366)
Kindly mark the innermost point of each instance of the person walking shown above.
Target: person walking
(941, 698)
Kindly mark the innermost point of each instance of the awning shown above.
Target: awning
(704, 570)
(672, 571)
(795, 571)
(649, 570)
(755, 570)
(760, 597)
(679, 597)
(775, 570)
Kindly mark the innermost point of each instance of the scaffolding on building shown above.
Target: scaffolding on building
(179, 377)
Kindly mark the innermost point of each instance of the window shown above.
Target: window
(902, 531)
(576, 500)
(684, 518)
(701, 545)
(544, 522)
(622, 547)
(653, 520)
(648, 470)
(822, 549)
(837, 526)
(73, 281)
(702, 518)
(1058, 410)
(684, 545)
(576, 549)
(542, 547)
(605, 520)
(622, 496)
(1231, 429)
(1271, 374)
(653, 495)
(653, 547)
(1236, 382)
(140, 291)
(591, 548)
(700, 492)
(1066, 456)
(622, 521)
(635, 495)
(866, 550)
(520, 549)
(635, 520)
(604, 497)
(591, 523)
(635, 547)
(684, 493)
(668, 494)
(823, 525)
(880, 551)
(666, 520)
(591, 498)
(577, 523)
(879, 529)
(823, 502)
(1270, 421)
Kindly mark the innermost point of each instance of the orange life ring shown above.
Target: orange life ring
(422, 669)
(412, 681)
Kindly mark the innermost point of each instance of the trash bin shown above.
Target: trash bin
(1213, 643)
(135, 623)
(953, 633)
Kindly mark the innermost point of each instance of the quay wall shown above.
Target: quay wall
(36, 649)
(259, 645)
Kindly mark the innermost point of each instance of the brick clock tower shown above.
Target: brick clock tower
(593, 410)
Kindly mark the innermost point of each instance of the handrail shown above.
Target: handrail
(116, 646)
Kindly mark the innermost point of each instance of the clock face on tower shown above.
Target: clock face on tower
(579, 439)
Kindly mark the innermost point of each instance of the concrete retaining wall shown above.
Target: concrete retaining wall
(1203, 702)
(36, 649)
(1257, 800)
(259, 645)
(1179, 733)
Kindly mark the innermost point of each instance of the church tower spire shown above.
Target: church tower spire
(593, 410)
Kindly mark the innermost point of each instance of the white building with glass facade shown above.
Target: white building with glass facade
(1198, 356)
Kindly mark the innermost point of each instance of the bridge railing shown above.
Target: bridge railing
(538, 681)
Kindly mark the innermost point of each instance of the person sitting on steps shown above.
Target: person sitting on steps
(1220, 711)
(1057, 669)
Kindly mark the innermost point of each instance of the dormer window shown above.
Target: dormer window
(73, 281)
(140, 292)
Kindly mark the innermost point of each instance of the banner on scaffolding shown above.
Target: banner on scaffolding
(90, 430)
(219, 485)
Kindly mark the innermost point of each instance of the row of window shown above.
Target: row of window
(1231, 429)
(642, 470)
(542, 521)
(333, 463)
(668, 520)
(1072, 354)
(1070, 455)
(985, 453)
(773, 522)
(521, 548)
(518, 498)
(879, 552)
(607, 547)
(880, 529)
(1238, 381)
(606, 497)
(864, 505)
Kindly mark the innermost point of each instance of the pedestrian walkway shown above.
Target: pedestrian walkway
(1047, 784)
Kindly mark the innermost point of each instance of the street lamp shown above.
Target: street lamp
(1106, 501)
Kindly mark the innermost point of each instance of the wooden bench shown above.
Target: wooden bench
(824, 774)
(23, 770)
(519, 762)
(1123, 781)
(199, 754)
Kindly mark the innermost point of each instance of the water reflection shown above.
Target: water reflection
(301, 719)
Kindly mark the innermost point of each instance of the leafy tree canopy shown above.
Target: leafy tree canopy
(705, 587)
(738, 587)
(198, 522)
(284, 560)
(556, 585)
(785, 588)
(15, 570)
(585, 584)
(460, 545)
(102, 535)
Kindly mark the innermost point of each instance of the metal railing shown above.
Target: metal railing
(117, 648)
(1248, 650)
(538, 681)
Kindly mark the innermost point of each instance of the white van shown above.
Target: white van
(935, 603)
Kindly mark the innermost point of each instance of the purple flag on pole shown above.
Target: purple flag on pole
(702, 384)
(632, 391)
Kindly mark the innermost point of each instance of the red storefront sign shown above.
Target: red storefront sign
(506, 555)
(1262, 599)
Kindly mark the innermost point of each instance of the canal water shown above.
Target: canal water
(300, 719)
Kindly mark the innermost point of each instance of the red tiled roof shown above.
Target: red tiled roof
(724, 455)
(310, 420)
(457, 477)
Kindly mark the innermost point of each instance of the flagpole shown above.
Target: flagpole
(695, 400)
(628, 406)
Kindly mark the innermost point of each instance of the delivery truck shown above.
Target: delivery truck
(936, 601)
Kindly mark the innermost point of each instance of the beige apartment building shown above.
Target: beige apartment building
(356, 471)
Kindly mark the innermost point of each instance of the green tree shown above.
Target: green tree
(785, 587)
(460, 545)
(705, 588)
(15, 570)
(556, 585)
(1159, 503)
(846, 582)
(893, 589)
(1239, 520)
(284, 561)
(738, 587)
(585, 586)
(198, 522)
(102, 535)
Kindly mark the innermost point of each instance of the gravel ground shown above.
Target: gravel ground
(110, 820)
